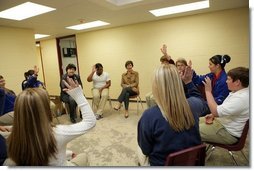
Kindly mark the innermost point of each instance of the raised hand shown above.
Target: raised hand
(208, 84)
(165, 53)
(36, 70)
(70, 84)
(164, 50)
(187, 75)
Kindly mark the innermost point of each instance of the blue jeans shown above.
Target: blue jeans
(125, 95)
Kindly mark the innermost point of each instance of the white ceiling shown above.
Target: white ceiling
(71, 12)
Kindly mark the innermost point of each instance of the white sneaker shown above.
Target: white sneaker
(98, 117)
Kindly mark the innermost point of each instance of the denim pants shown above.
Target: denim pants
(125, 95)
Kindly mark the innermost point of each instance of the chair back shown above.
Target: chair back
(192, 156)
(239, 144)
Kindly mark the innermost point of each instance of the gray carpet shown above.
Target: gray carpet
(113, 141)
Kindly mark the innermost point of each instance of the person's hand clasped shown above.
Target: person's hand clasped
(4, 129)
(209, 119)
(70, 84)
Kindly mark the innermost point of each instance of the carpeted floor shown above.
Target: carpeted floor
(113, 141)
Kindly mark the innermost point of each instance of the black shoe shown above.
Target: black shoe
(73, 120)
(81, 116)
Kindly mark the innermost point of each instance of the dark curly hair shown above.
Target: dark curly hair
(70, 66)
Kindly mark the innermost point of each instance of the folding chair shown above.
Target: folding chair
(238, 146)
(139, 101)
(192, 156)
(53, 108)
(109, 101)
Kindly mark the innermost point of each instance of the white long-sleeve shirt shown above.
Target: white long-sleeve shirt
(66, 133)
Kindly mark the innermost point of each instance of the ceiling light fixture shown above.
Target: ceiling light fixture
(92, 24)
(180, 8)
(24, 11)
(123, 2)
(38, 36)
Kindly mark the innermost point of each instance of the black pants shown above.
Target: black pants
(72, 105)
(125, 95)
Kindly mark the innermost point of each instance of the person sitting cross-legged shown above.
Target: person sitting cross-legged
(129, 83)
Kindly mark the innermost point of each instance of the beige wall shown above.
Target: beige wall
(51, 66)
(196, 37)
(18, 54)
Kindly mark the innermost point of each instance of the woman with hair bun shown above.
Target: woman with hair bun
(218, 77)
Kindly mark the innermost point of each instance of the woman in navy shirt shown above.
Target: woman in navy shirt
(173, 124)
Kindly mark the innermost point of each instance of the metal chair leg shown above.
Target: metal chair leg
(93, 107)
(137, 105)
(110, 103)
(232, 156)
(56, 117)
(139, 101)
(208, 147)
(244, 156)
(209, 151)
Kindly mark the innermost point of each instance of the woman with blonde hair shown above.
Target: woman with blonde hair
(34, 139)
(173, 124)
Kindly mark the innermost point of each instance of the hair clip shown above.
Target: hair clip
(222, 59)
